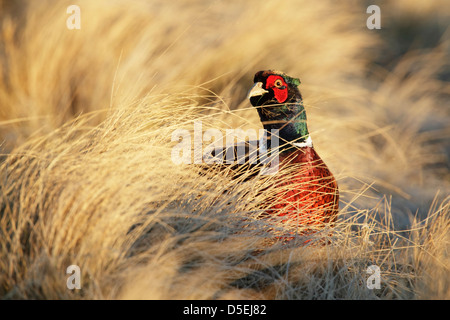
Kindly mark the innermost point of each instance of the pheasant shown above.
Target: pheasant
(306, 192)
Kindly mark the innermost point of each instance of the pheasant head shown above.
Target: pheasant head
(280, 105)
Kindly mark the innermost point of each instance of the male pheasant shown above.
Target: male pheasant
(307, 195)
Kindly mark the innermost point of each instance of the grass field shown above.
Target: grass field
(86, 177)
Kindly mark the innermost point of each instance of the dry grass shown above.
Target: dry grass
(86, 119)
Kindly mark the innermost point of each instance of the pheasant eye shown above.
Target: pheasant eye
(278, 83)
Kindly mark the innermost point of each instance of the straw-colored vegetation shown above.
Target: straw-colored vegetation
(87, 116)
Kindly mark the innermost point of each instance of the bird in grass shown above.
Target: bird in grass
(306, 192)
(308, 195)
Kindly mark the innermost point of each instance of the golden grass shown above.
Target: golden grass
(87, 116)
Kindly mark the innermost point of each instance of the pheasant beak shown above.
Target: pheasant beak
(257, 90)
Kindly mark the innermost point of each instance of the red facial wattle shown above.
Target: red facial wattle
(279, 87)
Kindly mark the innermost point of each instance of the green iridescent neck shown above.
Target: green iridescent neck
(291, 123)
(299, 124)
